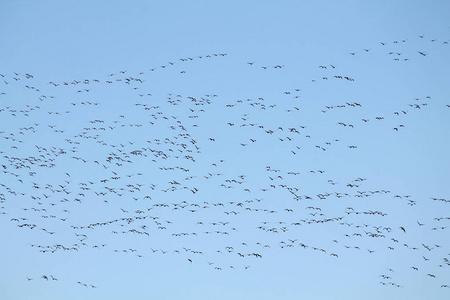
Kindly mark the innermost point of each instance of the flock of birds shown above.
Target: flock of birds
(155, 165)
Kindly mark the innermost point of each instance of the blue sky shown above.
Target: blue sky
(224, 150)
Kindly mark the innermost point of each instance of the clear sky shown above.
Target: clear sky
(224, 150)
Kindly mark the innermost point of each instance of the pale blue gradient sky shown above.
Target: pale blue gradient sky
(59, 41)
